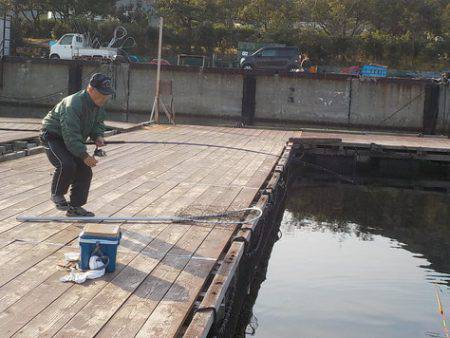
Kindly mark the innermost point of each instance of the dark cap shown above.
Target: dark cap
(102, 84)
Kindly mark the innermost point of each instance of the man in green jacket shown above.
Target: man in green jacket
(64, 133)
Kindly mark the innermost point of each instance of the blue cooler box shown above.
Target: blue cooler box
(106, 238)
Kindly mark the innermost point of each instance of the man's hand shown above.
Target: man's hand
(90, 161)
(100, 141)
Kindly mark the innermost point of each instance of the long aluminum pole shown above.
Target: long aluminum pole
(158, 70)
(162, 219)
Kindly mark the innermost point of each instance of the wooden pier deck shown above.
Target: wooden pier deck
(161, 268)
(396, 146)
(17, 129)
(9, 136)
(387, 141)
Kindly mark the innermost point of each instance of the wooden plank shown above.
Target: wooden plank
(61, 310)
(40, 297)
(11, 136)
(14, 249)
(120, 125)
(39, 252)
(183, 167)
(393, 141)
(10, 293)
(22, 171)
(91, 318)
(6, 243)
(99, 199)
(21, 285)
(202, 321)
(24, 207)
(224, 199)
(136, 309)
(21, 263)
(55, 311)
(119, 296)
(16, 267)
(171, 312)
(49, 297)
(35, 124)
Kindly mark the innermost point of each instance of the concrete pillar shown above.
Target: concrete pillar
(75, 78)
(430, 108)
(248, 99)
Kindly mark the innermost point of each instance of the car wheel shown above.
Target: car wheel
(247, 67)
(120, 59)
(54, 56)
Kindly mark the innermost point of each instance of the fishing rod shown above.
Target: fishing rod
(441, 312)
(98, 150)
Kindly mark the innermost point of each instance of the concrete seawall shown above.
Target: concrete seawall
(301, 99)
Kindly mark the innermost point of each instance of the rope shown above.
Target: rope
(97, 251)
(228, 308)
(207, 309)
(316, 166)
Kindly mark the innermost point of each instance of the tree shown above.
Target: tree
(400, 33)
(185, 18)
(29, 10)
(74, 8)
(416, 21)
(269, 16)
(338, 18)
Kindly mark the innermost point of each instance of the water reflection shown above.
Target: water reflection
(358, 262)
(418, 221)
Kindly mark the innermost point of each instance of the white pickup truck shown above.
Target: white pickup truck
(76, 46)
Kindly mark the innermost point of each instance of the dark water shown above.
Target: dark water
(358, 262)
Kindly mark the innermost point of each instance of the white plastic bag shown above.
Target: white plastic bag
(97, 270)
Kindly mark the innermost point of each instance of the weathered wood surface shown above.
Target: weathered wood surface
(16, 129)
(388, 141)
(9, 136)
(161, 268)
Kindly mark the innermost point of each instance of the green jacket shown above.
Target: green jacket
(75, 119)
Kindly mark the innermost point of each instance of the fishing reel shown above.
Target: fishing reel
(99, 152)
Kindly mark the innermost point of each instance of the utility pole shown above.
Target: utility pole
(156, 103)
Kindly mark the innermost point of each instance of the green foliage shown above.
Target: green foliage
(397, 33)
(413, 33)
(68, 8)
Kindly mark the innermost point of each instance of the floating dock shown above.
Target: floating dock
(19, 137)
(162, 268)
(171, 279)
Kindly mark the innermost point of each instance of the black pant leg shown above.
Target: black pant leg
(81, 184)
(64, 164)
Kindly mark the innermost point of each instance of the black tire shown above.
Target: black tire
(247, 66)
(55, 57)
(121, 59)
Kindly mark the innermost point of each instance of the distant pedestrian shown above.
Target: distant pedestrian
(306, 63)
(445, 78)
